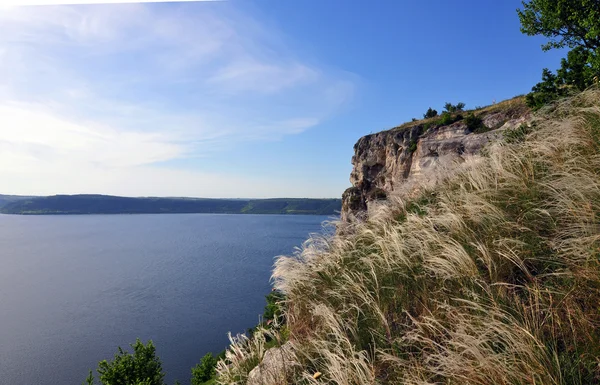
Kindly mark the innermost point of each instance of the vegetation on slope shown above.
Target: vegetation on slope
(567, 24)
(473, 119)
(144, 367)
(6, 199)
(493, 277)
(105, 204)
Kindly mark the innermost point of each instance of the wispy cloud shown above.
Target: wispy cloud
(14, 3)
(91, 89)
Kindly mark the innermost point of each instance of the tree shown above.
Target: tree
(90, 379)
(204, 371)
(142, 367)
(545, 91)
(431, 113)
(576, 70)
(575, 74)
(449, 107)
(567, 23)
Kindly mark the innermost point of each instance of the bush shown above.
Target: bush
(447, 118)
(544, 92)
(205, 370)
(575, 74)
(141, 367)
(449, 107)
(273, 309)
(413, 146)
(475, 123)
(431, 113)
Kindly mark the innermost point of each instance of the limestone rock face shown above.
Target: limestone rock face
(275, 368)
(399, 160)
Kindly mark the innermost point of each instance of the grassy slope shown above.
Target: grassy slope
(511, 108)
(493, 277)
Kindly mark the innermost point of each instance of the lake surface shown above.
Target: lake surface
(73, 288)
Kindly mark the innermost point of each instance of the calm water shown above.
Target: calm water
(73, 288)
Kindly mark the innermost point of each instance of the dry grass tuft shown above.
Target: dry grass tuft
(491, 277)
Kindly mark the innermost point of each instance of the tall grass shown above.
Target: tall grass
(490, 277)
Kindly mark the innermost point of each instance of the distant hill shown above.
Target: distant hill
(106, 204)
(5, 199)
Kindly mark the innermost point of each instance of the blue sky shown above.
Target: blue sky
(261, 98)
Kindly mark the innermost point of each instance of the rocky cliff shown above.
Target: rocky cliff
(399, 160)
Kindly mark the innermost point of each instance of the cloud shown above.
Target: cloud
(14, 3)
(34, 132)
(93, 89)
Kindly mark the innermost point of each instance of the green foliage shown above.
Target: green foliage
(90, 379)
(431, 113)
(575, 73)
(413, 146)
(576, 70)
(475, 123)
(544, 92)
(142, 367)
(518, 134)
(205, 370)
(449, 107)
(428, 125)
(273, 309)
(448, 118)
(566, 23)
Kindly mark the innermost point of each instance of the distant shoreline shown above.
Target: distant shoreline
(107, 204)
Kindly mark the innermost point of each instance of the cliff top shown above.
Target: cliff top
(511, 108)
(398, 160)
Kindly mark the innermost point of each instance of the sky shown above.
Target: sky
(237, 98)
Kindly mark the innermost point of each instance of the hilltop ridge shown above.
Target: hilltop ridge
(107, 204)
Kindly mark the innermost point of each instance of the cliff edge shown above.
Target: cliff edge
(397, 160)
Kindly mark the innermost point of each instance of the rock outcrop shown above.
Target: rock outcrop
(399, 160)
(275, 367)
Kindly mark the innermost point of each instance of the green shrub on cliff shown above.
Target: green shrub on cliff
(448, 118)
(142, 367)
(458, 107)
(205, 370)
(431, 113)
(474, 123)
